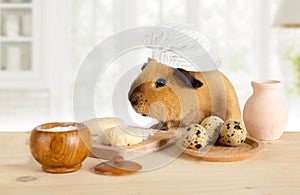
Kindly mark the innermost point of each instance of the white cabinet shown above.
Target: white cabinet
(20, 49)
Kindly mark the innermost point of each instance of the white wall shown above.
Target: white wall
(70, 29)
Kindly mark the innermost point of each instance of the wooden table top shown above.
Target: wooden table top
(276, 170)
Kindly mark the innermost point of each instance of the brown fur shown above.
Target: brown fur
(178, 105)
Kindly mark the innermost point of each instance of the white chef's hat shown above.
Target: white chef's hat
(182, 46)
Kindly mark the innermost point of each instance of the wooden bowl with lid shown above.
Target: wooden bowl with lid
(60, 147)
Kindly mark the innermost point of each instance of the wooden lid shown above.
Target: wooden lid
(117, 167)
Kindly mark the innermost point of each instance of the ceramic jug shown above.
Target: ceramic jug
(265, 113)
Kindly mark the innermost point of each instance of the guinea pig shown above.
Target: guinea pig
(176, 97)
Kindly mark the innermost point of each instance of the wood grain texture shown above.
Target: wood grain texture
(60, 152)
(120, 168)
(220, 153)
(276, 170)
(158, 141)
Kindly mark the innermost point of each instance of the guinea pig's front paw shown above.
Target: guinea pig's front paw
(161, 126)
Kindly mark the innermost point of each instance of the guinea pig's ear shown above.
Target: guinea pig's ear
(144, 66)
(187, 79)
(146, 63)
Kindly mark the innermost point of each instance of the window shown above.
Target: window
(241, 32)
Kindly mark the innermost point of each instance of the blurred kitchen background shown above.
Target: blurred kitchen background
(44, 42)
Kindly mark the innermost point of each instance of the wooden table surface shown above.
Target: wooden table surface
(274, 171)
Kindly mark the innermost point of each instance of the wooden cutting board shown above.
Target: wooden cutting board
(160, 140)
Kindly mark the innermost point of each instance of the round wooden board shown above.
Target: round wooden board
(121, 168)
(219, 153)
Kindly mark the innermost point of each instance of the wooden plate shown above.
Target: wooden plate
(219, 153)
(160, 140)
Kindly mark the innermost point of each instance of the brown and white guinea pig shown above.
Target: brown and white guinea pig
(176, 97)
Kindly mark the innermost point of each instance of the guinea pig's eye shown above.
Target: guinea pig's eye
(160, 83)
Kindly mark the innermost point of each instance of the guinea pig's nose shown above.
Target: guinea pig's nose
(133, 101)
(132, 91)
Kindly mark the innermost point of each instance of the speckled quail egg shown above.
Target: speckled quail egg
(212, 124)
(194, 137)
(233, 133)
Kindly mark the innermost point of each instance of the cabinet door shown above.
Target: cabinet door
(20, 43)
